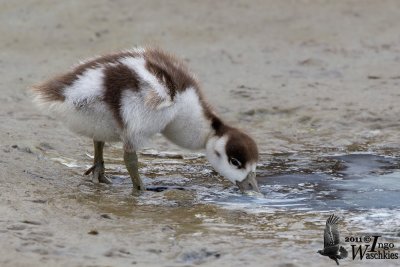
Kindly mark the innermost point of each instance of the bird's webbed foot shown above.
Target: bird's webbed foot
(98, 166)
(98, 173)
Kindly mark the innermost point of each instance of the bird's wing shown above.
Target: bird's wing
(331, 233)
(155, 100)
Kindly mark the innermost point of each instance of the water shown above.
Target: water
(360, 187)
(343, 182)
(190, 215)
(357, 182)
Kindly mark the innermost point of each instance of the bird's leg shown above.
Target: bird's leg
(337, 262)
(132, 165)
(98, 164)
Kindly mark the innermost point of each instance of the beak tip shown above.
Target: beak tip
(249, 184)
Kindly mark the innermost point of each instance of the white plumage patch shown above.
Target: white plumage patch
(86, 89)
(83, 110)
(88, 114)
(156, 95)
(189, 128)
(142, 121)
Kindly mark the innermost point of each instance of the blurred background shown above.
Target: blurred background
(295, 73)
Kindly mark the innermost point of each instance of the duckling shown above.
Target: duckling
(130, 96)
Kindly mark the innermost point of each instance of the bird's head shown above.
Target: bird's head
(234, 155)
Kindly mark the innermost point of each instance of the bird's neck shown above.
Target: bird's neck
(189, 135)
(195, 122)
(190, 130)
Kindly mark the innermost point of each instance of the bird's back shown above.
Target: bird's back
(104, 96)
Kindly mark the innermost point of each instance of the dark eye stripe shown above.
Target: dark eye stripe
(217, 153)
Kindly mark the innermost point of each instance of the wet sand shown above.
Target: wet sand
(308, 79)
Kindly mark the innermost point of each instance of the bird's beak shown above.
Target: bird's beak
(249, 184)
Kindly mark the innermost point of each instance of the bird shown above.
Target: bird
(129, 96)
(332, 247)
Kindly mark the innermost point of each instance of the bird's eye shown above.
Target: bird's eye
(235, 162)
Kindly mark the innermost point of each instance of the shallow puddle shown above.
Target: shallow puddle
(349, 182)
(289, 183)
(187, 199)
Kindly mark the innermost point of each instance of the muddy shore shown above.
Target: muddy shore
(308, 79)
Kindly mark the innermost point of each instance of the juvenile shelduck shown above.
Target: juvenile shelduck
(130, 96)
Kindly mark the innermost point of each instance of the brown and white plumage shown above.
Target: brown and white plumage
(130, 96)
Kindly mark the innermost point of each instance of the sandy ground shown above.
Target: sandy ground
(298, 75)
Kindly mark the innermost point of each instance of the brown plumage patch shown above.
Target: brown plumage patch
(241, 147)
(169, 70)
(53, 89)
(218, 126)
(118, 78)
(175, 75)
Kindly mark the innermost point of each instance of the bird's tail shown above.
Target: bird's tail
(343, 252)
